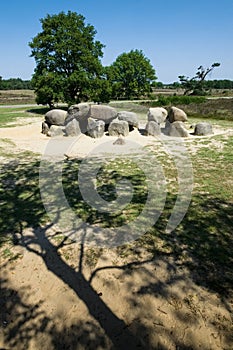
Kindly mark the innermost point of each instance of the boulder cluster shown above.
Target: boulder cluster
(94, 120)
(174, 120)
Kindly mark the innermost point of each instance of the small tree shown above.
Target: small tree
(131, 75)
(195, 85)
(67, 58)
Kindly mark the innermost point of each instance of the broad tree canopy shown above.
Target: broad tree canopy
(131, 75)
(67, 59)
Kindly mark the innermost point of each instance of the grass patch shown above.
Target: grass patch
(11, 117)
(214, 169)
(163, 101)
(107, 178)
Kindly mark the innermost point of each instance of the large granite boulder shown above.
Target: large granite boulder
(72, 128)
(152, 128)
(80, 113)
(95, 128)
(102, 112)
(55, 117)
(130, 117)
(157, 114)
(176, 129)
(118, 127)
(176, 114)
(202, 129)
(55, 130)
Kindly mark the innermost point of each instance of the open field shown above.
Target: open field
(164, 290)
(15, 97)
(8, 97)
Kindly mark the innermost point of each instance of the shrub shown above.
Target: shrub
(176, 100)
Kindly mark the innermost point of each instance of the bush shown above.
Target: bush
(176, 100)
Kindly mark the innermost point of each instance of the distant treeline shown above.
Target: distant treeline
(19, 84)
(207, 84)
(219, 84)
(15, 84)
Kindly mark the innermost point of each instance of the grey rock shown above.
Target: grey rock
(177, 114)
(80, 109)
(176, 129)
(102, 112)
(118, 127)
(72, 128)
(80, 113)
(152, 128)
(119, 141)
(55, 117)
(45, 128)
(130, 117)
(157, 114)
(95, 128)
(56, 130)
(202, 129)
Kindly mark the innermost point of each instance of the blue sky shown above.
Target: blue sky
(176, 35)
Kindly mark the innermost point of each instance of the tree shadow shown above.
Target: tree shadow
(201, 244)
(20, 320)
(44, 110)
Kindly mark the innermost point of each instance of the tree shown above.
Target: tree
(131, 75)
(67, 59)
(14, 84)
(195, 85)
(47, 88)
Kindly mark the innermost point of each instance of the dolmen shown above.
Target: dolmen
(91, 119)
(95, 120)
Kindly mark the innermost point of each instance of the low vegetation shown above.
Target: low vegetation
(17, 97)
(197, 106)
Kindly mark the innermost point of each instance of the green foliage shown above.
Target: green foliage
(218, 84)
(67, 59)
(15, 84)
(131, 75)
(101, 91)
(176, 100)
(195, 85)
(47, 88)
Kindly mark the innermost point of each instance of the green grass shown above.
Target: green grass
(107, 178)
(175, 100)
(10, 117)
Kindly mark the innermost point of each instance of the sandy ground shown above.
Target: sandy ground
(56, 295)
(29, 137)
